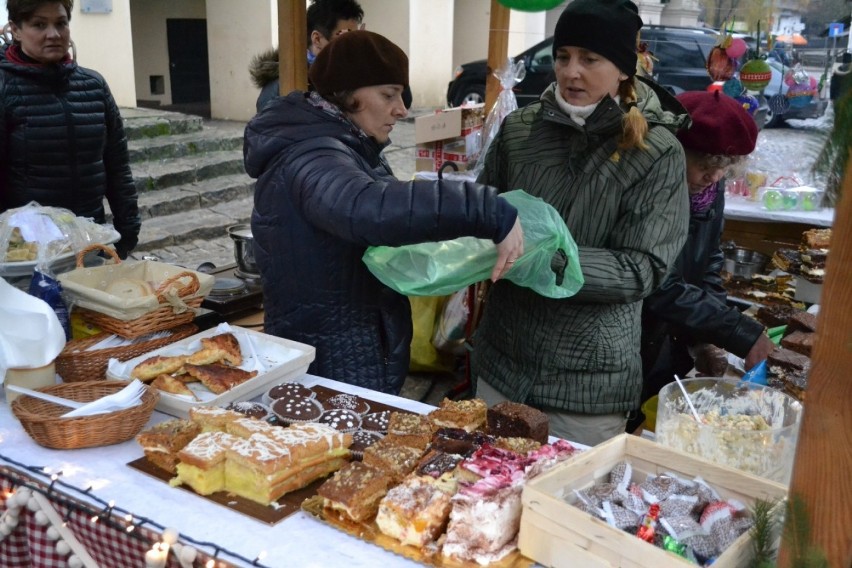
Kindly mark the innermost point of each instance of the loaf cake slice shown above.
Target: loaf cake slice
(162, 442)
(515, 420)
(355, 491)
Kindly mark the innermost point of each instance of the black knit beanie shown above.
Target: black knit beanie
(358, 59)
(607, 27)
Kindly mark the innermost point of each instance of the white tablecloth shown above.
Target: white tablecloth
(298, 540)
(741, 209)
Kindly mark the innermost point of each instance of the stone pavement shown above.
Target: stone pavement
(220, 250)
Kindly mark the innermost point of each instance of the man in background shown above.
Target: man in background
(326, 20)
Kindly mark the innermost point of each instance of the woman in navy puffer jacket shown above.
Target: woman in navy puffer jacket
(62, 142)
(324, 194)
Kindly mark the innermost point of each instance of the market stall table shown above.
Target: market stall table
(296, 541)
(752, 226)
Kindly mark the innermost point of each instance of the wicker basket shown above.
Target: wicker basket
(159, 319)
(75, 364)
(41, 419)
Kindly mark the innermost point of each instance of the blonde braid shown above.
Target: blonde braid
(634, 125)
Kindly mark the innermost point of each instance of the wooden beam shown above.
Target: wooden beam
(292, 46)
(822, 472)
(498, 50)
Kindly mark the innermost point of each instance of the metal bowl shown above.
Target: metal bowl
(244, 248)
(742, 263)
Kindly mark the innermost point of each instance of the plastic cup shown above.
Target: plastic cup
(731, 412)
(29, 378)
(649, 409)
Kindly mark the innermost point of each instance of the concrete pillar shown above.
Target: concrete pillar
(93, 34)
(234, 35)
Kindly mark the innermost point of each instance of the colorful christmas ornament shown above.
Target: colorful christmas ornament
(749, 102)
(800, 95)
(737, 48)
(720, 64)
(733, 88)
(755, 74)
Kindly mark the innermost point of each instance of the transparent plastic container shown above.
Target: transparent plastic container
(745, 426)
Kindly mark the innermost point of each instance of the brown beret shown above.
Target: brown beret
(358, 59)
(720, 125)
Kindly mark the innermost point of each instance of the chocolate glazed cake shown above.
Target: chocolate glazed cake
(512, 419)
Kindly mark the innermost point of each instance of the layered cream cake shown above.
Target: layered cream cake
(257, 460)
(355, 491)
(414, 512)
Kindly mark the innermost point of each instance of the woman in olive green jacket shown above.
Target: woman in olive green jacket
(600, 148)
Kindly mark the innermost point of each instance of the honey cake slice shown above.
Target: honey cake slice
(395, 459)
(219, 378)
(414, 512)
(212, 418)
(413, 430)
(162, 442)
(355, 491)
(202, 462)
(466, 414)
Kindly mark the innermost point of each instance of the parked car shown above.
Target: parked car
(681, 66)
(682, 53)
(777, 86)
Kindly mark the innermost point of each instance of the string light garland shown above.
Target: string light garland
(30, 481)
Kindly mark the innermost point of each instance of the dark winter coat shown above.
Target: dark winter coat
(324, 194)
(690, 306)
(627, 211)
(62, 143)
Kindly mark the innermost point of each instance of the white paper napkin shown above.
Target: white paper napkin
(35, 336)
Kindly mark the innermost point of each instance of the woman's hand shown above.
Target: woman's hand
(759, 351)
(509, 250)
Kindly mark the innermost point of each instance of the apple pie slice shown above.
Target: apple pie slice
(153, 367)
(219, 378)
(169, 384)
(227, 343)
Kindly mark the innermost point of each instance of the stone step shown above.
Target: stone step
(149, 123)
(160, 174)
(208, 139)
(195, 195)
(205, 223)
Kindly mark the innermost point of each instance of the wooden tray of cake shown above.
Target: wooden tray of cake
(281, 509)
(369, 532)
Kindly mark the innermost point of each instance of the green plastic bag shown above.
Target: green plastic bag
(441, 268)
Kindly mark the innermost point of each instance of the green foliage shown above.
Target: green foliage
(797, 536)
(765, 521)
(834, 156)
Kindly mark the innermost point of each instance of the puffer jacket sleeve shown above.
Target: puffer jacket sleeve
(121, 191)
(339, 195)
(647, 239)
(701, 316)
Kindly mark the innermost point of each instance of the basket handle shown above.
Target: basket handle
(82, 254)
(185, 290)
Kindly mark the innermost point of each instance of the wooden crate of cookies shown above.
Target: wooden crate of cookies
(556, 533)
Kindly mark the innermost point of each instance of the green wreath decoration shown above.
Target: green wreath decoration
(531, 5)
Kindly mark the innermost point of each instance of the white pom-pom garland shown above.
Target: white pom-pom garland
(74, 561)
(62, 548)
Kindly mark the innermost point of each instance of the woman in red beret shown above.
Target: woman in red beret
(688, 315)
(325, 193)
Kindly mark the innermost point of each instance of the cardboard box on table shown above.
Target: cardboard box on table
(555, 533)
(450, 135)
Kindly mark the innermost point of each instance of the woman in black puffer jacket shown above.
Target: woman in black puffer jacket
(62, 142)
(324, 194)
